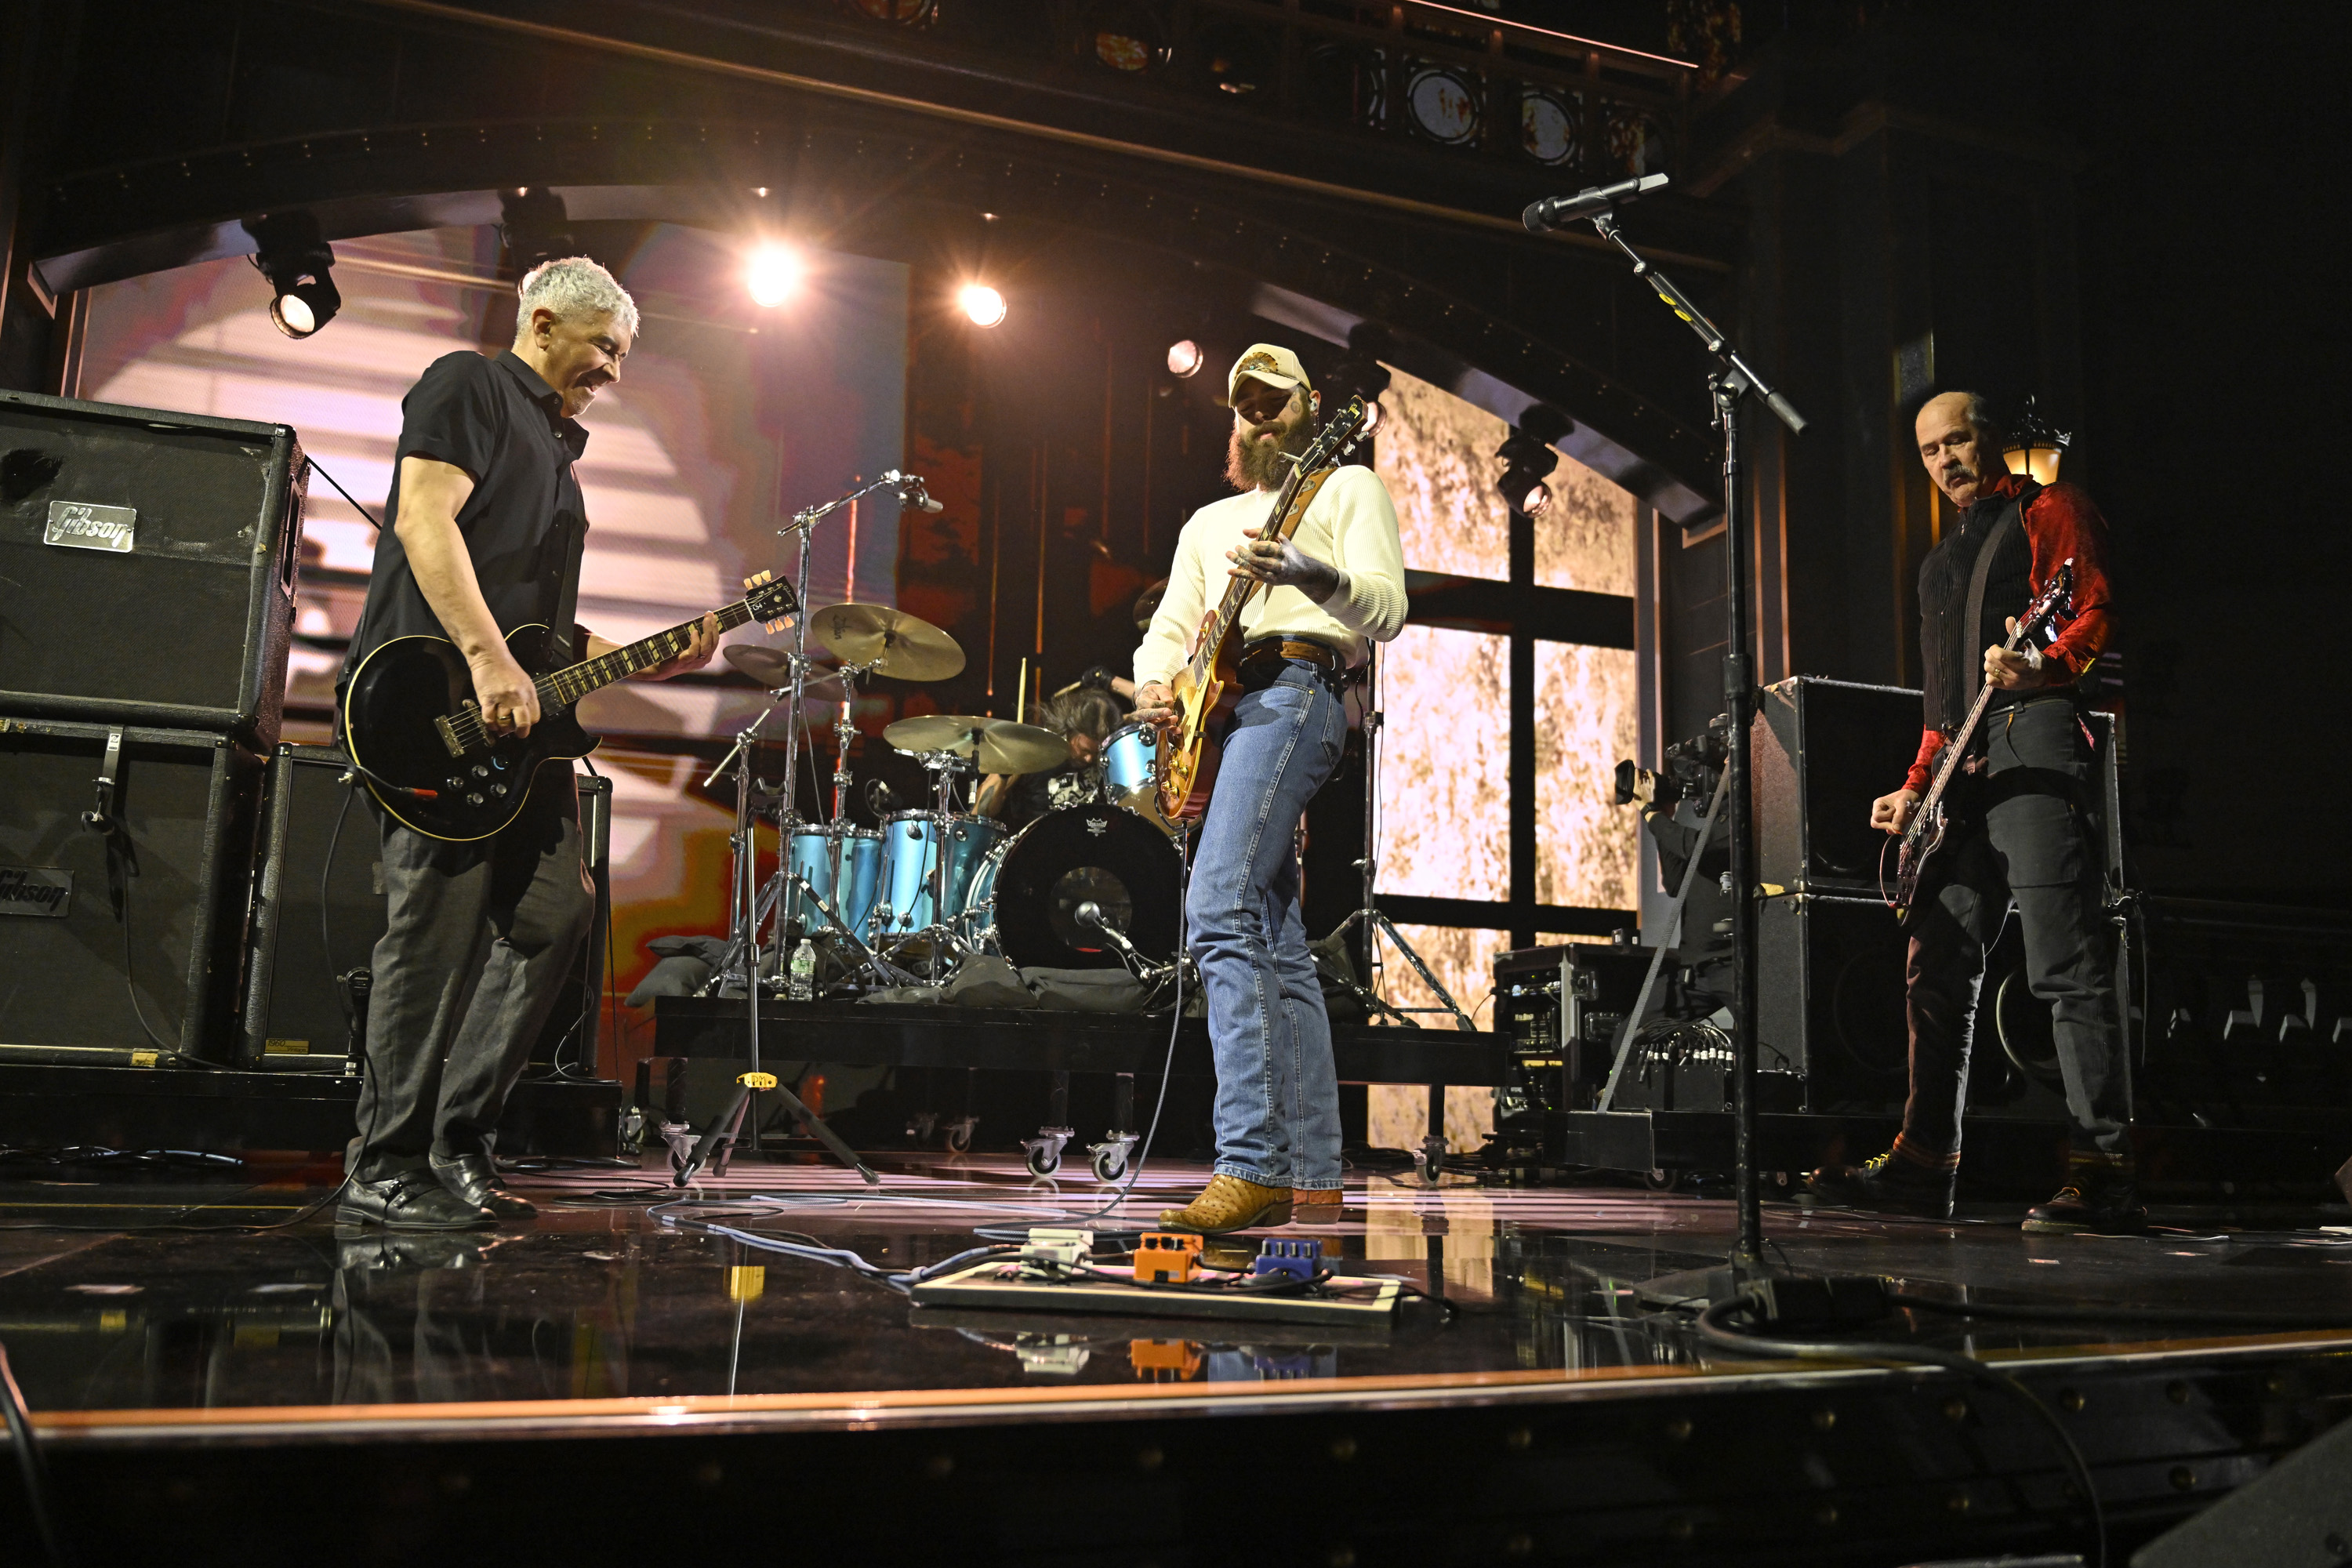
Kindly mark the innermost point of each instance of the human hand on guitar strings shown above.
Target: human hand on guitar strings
(1894, 812)
(2027, 667)
(1155, 704)
(702, 644)
(1279, 563)
(504, 690)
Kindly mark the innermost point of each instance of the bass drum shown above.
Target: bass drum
(1115, 858)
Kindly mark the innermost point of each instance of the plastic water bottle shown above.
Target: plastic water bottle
(802, 983)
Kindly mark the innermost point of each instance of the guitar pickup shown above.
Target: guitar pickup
(448, 736)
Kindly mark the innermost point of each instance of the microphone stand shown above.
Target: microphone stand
(1731, 378)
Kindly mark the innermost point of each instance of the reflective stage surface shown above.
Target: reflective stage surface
(120, 1308)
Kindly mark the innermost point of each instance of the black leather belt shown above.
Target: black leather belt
(1263, 662)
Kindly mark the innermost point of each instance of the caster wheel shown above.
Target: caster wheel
(1042, 1160)
(960, 1140)
(1662, 1181)
(1110, 1164)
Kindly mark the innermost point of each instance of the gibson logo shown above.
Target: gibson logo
(27, 892)
(87, 525)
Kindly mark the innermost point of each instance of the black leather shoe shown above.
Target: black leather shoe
(1887, 1184)
(475, 1178)
(2110, 1207)
(413, 1200)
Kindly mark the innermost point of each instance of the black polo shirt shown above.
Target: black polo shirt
(525, 524)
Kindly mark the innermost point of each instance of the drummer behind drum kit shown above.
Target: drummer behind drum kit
(1087, 886)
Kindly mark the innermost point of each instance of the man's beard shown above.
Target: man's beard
(1252, 464)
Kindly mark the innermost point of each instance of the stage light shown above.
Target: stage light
(773, 275)
(2034, 447)
(296, 261)
(1527, 462)
(983, 304)
(1184, 357)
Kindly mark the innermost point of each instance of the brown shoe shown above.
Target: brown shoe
(1316, 1205)
(1230, 1204)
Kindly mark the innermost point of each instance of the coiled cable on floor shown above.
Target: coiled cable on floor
(1715, 1327)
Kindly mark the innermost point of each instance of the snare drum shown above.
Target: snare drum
(1130, 762)
(910, 856)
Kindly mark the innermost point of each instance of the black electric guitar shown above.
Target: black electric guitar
(1202, 685)
(417, 740)
(1933, 819)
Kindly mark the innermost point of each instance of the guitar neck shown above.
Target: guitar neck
(570, 684)
(1966, 732)
(1238, 591)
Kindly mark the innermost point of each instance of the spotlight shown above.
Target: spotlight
(983, 304)
(773, 275)
(1184, 357)
(291, 254)
(1527, 463)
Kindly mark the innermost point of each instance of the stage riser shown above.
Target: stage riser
(1833, 1469)
(131, 1108)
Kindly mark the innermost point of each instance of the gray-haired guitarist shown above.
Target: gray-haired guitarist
(2010, 759)
(482, 538)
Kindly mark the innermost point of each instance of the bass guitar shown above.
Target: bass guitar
(417, 738)
(1201, 685)
(1933, 819)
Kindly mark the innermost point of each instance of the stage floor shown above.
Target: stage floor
(124, 1316)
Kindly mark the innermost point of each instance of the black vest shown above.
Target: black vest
(1952, 654)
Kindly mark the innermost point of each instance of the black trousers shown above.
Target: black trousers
(2027, 848)
(479, 941)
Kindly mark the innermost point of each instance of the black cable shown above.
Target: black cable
(1712, 1327)
(344, 493)
(31, 1464)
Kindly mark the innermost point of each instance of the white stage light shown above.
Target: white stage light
(773, 275)
(983, 304)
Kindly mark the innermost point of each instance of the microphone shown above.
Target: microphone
(911, 493)
(1558, 211)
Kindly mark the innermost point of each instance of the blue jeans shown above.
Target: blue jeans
(1277, 1107)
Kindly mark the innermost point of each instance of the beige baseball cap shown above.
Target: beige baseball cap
(1271, 363)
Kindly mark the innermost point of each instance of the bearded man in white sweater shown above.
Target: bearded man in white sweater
(1331, 590)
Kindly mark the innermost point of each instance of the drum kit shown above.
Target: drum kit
(910, 899)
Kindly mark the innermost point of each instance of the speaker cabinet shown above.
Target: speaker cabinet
(95, 978)
(1822, 750)
(1829, 1000)
(315, 916)
(150, 562)
(297, 1013)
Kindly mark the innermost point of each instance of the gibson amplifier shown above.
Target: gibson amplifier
(150, 561)
(123, 862)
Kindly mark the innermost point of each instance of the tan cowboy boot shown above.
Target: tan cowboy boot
(1230, 1204)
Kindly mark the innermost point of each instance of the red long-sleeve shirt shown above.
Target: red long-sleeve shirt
(2061, 522)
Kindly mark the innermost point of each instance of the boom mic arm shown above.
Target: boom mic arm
(1558, 211)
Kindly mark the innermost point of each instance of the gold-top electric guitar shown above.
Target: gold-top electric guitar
(1201, 685)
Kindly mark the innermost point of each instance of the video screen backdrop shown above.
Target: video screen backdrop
(1445, 784)
(728, 418)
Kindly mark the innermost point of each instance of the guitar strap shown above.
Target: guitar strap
(2012, 517)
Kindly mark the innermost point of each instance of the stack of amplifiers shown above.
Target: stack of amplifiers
(1560, 1008)
(150, 560)
(320, 836)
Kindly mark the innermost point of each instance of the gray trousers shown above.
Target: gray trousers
(479, 941)
(2027, 847)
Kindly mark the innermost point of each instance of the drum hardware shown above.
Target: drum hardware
(1090, 914)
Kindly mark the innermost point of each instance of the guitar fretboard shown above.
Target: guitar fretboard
(570, 684)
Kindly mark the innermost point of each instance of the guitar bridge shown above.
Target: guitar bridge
(448, 736)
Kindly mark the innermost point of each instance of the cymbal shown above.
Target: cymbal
(772, 666)
(895, 644)
(996, 745)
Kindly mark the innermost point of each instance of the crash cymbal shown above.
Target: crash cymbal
(894, 643)
(994, 745)
(772, 667)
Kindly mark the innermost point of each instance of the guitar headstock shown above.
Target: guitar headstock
(771, 599)
(1337, 438)
(2051, 600)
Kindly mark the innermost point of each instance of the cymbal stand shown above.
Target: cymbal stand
(719, 1139)
(845, 729)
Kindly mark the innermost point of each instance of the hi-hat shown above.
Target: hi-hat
(891, 642)
(772, 666)
(994, 745)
